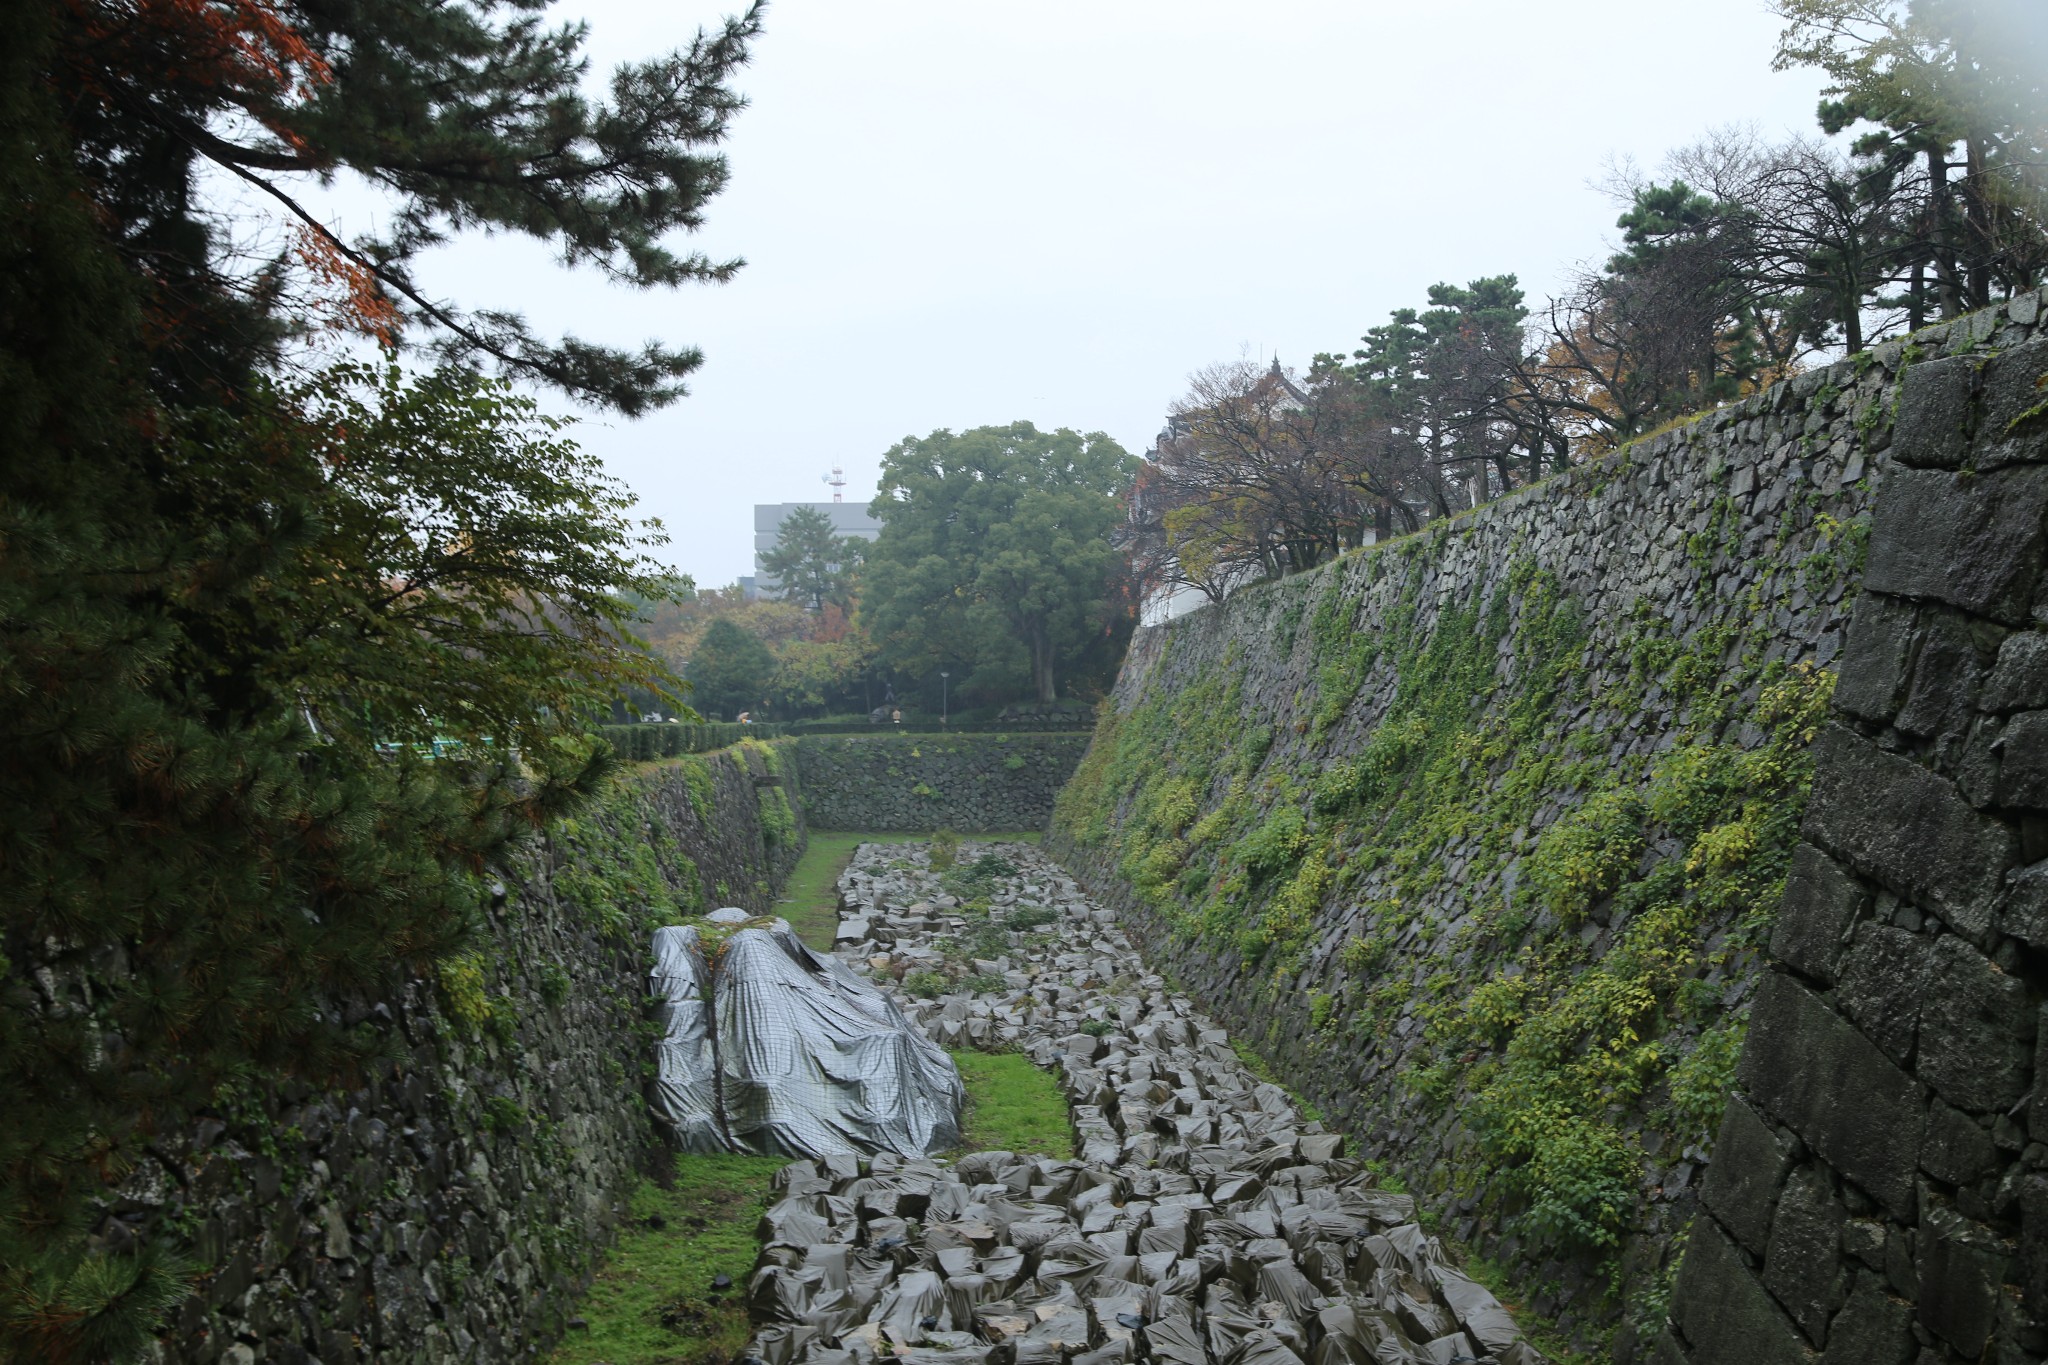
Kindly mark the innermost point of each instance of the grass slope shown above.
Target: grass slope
(1013, 1106)
(652, 1303)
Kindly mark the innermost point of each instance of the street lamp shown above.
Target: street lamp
(945, 695)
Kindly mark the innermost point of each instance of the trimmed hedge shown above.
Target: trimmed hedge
(652, 740)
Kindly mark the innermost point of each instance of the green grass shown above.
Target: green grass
(1013, 1106)
(652, 1303)
(810, 900)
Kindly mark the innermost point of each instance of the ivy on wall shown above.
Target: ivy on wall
(1462, 838)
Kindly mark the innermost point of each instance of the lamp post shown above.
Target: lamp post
(945, 695)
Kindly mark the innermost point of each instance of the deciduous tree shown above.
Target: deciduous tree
(996, 550)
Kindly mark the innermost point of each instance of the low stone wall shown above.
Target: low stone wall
(924, 782)
(449, 1206)
(1879, 1188)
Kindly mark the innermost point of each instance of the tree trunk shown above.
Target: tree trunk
(1042, 676)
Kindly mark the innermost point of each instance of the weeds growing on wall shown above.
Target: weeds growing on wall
(1564, 991)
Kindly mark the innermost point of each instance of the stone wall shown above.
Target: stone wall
(449, 1206)
(1880, 1184)
(1479, 834)
(973, 783)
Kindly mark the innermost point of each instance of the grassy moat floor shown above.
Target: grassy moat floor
(653, 1303)
(810, 898)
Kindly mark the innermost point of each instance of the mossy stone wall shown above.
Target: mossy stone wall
(449, 1206)
(972, 783)
(1480, 834)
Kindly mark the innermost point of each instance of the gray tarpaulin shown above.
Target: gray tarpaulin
(770, 1047)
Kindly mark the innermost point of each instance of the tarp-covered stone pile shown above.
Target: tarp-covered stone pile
(1205, 1223)
(769, 1047)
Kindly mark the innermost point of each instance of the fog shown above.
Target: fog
(960, 214)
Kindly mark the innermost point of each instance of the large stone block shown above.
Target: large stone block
(1873, 1328)
(1806, 1066)
(1724, 1312)
(1972, 541)
(1883, 979)
(1803, 1270)
(1976, 1028)
(2034, 1245)
(1821, 905)
(1935, 410)
(1947, 675)
(1877, 657)
(1956, 1149)
(1750, 1161)
(1896, 822)
(2014, 426)
(2023, 762)
(1961, 1266)
(2019, 680)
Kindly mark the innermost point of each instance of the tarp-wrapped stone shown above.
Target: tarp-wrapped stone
(769, 1047)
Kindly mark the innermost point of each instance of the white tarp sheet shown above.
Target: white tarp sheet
(776, 1049)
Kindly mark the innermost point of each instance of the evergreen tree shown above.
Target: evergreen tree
(814, 564)
(466, 114)
(729, 670)
(996, 550)
(229, 608)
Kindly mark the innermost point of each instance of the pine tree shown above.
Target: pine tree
(813, 563)
(467, 114)
(230, 606)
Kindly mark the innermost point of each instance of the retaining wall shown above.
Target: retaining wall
(449, 1207)
(973, 783)
(1880, 1186)
(1480, 834)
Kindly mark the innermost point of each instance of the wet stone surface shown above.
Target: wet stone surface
(1205, 1220)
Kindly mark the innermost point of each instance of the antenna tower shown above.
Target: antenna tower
(837, 479)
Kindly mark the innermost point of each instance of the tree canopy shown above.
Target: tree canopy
(464, 115)
(729, 670)
(996, 553)
(247, 591)
(812, 562)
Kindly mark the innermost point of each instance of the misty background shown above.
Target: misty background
(956, 215)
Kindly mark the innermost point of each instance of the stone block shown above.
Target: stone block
(1803, 1270)
(1750, 1161)
(1955, 1148)
(2019, 680)
(1873, 1328)
(1724, 1312)
(1935, 407)
(1896, 822)
(1877, 657)
(1973, 542)
(1976, 1028)
(1947, 675)
(2023, 762)
(1961, 1266)
(1883, 979)
(1806, 1066)
(1821, 904)
(2033, 1241)
(2014, 425)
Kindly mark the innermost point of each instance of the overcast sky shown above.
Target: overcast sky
(964, 212)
